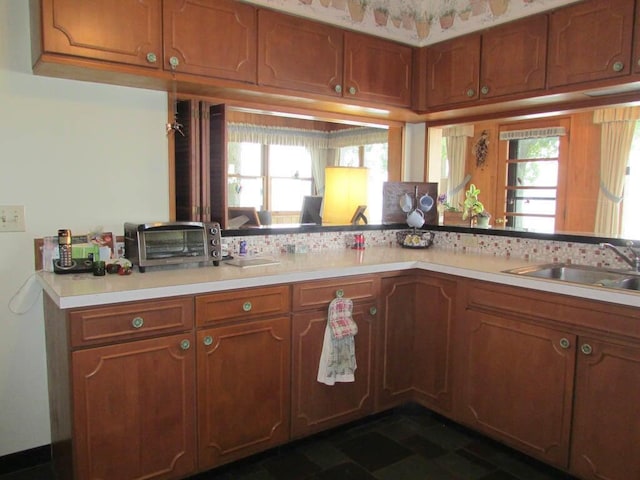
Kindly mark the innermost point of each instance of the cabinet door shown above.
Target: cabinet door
(122, 31)
(316, 406)
(452, 71)
(377, 70)
(590, 41)
(519, 383)
(299, 54)
(243, 390)
(212, 39)
(415, 339)
(134, 409)
(514, 57)
(606, 419)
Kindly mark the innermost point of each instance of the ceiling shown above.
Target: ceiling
(414, 22)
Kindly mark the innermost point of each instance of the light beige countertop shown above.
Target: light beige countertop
(83, 290)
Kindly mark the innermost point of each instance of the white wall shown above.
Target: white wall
(414, 151)
(76, 155)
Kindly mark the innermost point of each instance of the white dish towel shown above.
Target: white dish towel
(338, 358)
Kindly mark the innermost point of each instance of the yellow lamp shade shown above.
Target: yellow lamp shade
(345, 188)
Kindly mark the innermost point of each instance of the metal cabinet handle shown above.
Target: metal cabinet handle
(174, 62)
(208, 340)
(151, 57)
(586, 349)
(338, 88)
(185, 344)
(564, 343)
(247, 306)
(618, 66)
(471, 92)
(353, 90)
(373, 310)
(137, 322)
(484, 90)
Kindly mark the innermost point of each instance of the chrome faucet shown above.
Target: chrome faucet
(633, 260)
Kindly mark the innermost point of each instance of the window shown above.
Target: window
(630, 224)
(375, 157)
(533, 172)
(256, 171)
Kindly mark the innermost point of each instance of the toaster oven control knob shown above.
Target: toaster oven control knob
(213, 231)
(214, 242)
(215, 253)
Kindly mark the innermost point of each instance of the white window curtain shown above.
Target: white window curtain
(457, 139)
(617, 127)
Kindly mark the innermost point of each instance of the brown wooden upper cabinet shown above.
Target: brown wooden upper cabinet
(212, 39)
(508, 59)
(590, 41)
(121, 31)
(298, 54)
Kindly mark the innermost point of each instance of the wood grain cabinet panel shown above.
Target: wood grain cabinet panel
(514, 57)
(242, 304)
(299, 54)
(519, 384)
(590, 41)
(120, 31)
(130, 320)
(606, 418)
(212, 39)
(134, 409)
(415, 339)
(243, 389)
(377, 70)
(316, 406)
(452, 72)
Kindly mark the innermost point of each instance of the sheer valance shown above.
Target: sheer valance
(299, 137)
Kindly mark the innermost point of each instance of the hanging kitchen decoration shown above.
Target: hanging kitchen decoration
(174, 126)
(481, 148)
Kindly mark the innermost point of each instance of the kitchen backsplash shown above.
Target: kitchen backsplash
(533, 250)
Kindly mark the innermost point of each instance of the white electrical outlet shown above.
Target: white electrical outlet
(12, 218)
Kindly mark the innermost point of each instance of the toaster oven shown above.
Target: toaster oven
(172, 243)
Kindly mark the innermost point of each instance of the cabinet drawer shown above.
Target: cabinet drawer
(319, 294)
(134, 320)
(242, 304)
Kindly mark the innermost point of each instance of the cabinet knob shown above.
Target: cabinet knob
(338, 88)
(174, 62)
(618, 66)
(137, 322)
(185, 344)
(586, 349)
(151, 57)
(564, 343)
(208, 340)
(247, 306)
(471, 92)
(373, 310)
(484, 90)
(339, 293)
(353, 90)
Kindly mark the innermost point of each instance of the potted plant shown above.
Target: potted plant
(473, 209)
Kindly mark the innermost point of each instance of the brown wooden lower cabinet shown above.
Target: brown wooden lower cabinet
(243, 389)
(415, 341)
(314, 405)
(134, 409)
(553, 376)
(606, 417)
(519, 384)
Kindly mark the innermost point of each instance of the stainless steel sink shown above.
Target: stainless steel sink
(581, 274)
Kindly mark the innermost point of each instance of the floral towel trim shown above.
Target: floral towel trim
(340, 319)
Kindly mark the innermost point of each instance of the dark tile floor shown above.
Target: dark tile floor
(408, 443)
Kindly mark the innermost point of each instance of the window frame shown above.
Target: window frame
(563, 163)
